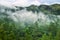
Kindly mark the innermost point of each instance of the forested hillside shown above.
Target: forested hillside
(30, 23)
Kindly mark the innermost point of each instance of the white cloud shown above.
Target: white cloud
(16, 2)
(36, 2)
(27, 2)
(19, 2)
(2, 2)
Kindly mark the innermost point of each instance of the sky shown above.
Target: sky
(27, 2)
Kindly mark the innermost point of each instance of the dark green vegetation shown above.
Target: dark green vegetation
(9, 30)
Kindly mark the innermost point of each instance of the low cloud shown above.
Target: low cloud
(19, 2)
(27, 2)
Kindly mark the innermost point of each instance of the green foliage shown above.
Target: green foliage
(10, 30)
(57, 37)
(44, 37)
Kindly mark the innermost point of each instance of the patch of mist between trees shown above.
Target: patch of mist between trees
(24, 16)
(28, 17)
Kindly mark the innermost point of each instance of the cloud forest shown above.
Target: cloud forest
(30, 23)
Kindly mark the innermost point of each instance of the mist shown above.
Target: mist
(29, 17)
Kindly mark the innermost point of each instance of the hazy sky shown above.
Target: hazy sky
(27, 2)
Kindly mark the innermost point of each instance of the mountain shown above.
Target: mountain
(56, 7)
(47, 9)
(53, 9)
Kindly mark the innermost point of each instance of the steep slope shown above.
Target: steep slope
(46, 9)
